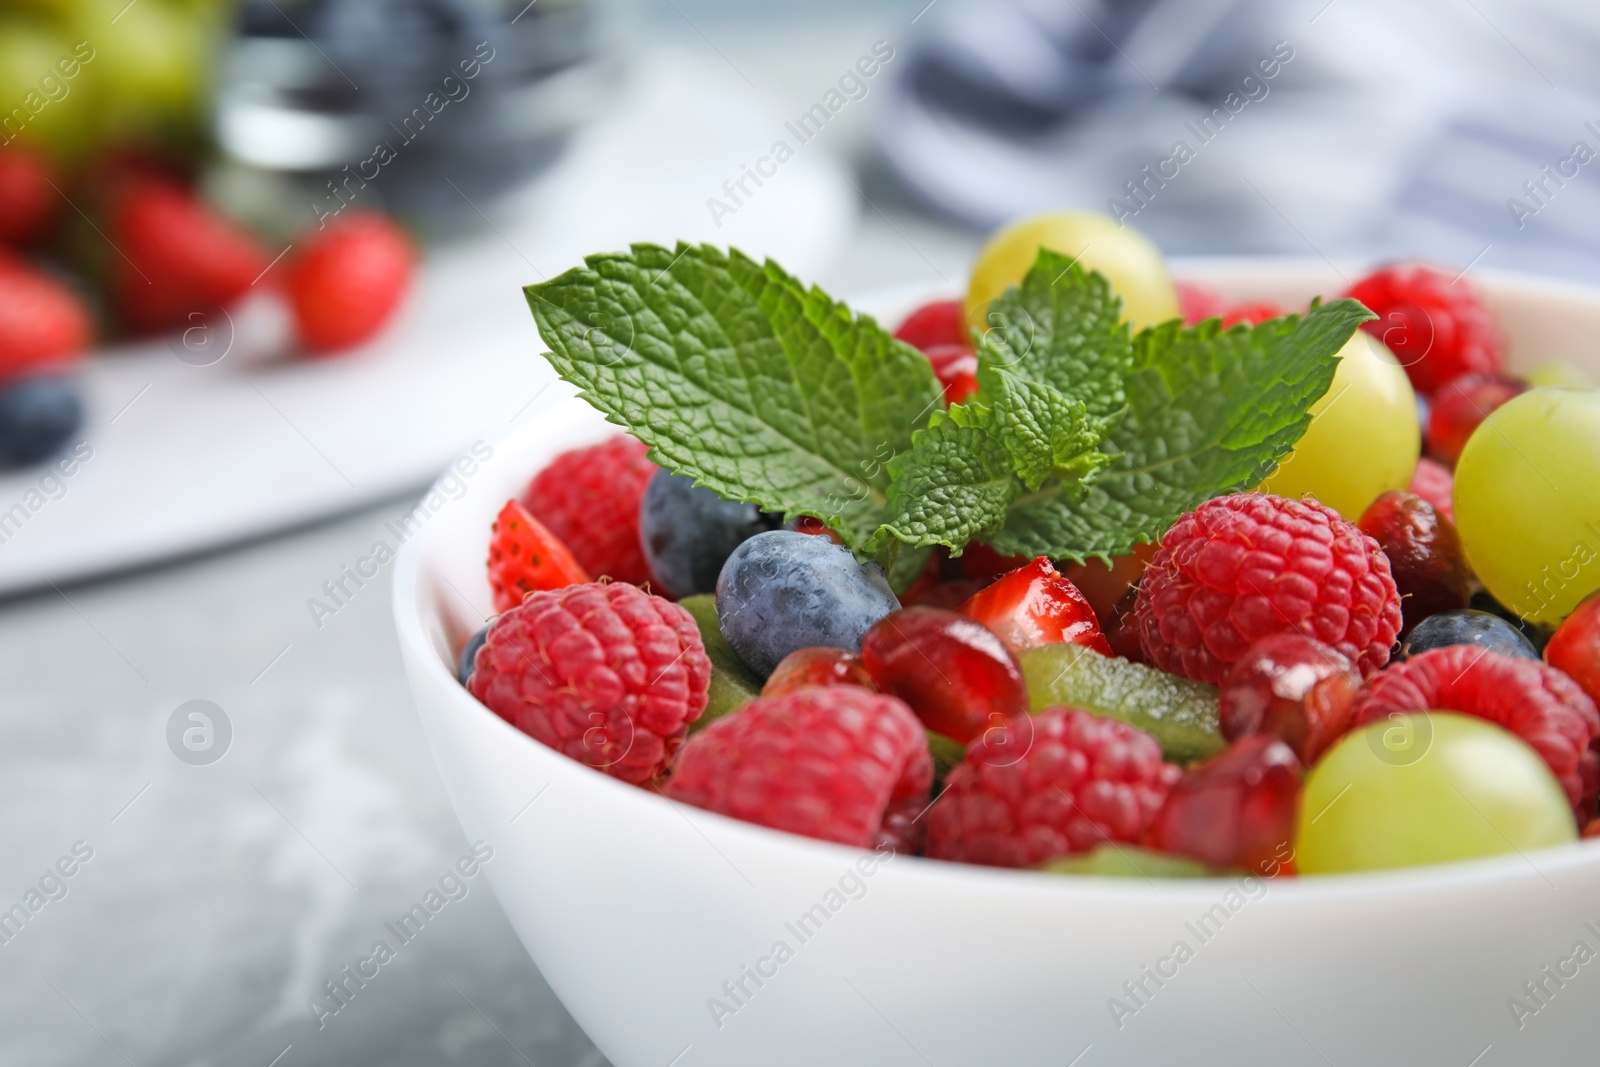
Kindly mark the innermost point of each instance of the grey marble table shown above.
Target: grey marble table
(187, 912)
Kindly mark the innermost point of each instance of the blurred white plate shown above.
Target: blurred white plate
(185, 458)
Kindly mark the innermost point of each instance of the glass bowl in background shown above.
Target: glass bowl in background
(426, 109)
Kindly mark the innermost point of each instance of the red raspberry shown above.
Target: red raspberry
(939, 331)
(524, 557)
(1254, 314)
(1436, 325)
(347, 281)
(177, 256)
(1241, 567)
(838, 763)
(1196, 303)
(936, 323)
(43, 324)
(1047, 785)
(29, 206)
(1460, 408)
(1434, 483)
(1536, 702)
(604, 673)
(590, 497)
(956, 367)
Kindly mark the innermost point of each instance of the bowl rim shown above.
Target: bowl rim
(412, 614)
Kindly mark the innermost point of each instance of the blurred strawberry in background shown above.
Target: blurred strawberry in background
(29, 203)
(348, 281)
(176, 256)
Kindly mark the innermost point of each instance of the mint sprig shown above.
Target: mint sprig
(740, 377)
(1084, 439)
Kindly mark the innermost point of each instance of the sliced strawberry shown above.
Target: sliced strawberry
(525, 557)
(1034, 605)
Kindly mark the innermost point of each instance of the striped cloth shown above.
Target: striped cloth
(1463, 132)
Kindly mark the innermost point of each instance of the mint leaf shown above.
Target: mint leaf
(1061, 328)
(1044, 432)
(1050, 383)
(740, 377)
(1209, 412)
(954, 485)
(1050, 371)
(1082, 440)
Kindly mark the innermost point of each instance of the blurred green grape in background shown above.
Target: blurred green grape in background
(78, 76)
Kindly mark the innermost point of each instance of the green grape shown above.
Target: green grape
(1559, 374)
(1181, 715)
(1429, 787)
(151, 67)
(1126, 257)
(1527, 502)
(732, 686)
(1364, 438)
(40, 101)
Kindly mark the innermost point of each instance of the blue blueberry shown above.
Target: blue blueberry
(469, 652)
(37, 417)
(1538, 635)
(783, 590)
(688, 532)
(1469, 627)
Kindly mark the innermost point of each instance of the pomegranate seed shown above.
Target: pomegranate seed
(816, 666)
(1236, 809)
(1459, 407)
(1290, 687)
(954, 672)
(1424, 553)
(1033, 606)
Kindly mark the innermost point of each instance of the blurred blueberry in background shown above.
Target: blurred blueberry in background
(423, 108)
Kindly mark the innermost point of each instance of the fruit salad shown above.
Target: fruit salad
(1085, 572)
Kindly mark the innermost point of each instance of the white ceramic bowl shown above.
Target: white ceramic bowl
(678, 937)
